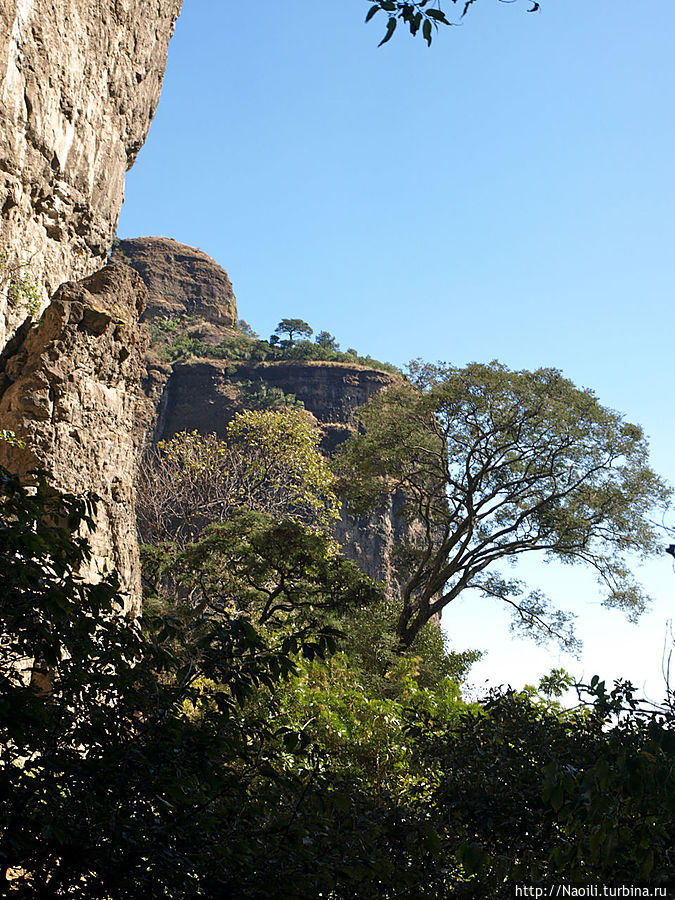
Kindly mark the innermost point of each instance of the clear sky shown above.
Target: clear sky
(508, 193)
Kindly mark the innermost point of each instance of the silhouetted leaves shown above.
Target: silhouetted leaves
(417, 14)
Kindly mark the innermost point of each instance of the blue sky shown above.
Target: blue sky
(508, 193)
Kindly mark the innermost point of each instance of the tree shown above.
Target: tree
(270, 462)
(267, 568)
(423, 16)
(494, 464)
(141, 739)
(293, 326)
(327, 341)
(137, 741)
(260, 395)
(297, 780)
(244, 328)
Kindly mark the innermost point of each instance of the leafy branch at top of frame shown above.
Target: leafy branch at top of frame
(420, 15)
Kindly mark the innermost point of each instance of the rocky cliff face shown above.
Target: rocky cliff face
(182, 283)
(190, 297)
(79, 85)
(68, 388)
(204, 394)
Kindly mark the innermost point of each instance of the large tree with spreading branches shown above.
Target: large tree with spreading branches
(493, 465)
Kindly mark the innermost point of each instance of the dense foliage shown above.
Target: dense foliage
(208, 755)
(270, 462)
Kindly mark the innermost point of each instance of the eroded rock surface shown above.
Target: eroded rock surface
(182, 282)
(204, 394)
(69, 388)
(79, 85)
(189, 296)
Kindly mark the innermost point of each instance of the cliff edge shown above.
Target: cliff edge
(79, 86)
(196, 380)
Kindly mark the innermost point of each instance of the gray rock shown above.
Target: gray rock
(79, 85)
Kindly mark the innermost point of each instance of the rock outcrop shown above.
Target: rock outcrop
(182, 282)
(68, 388)
(189, 297)
(204, 394)
(79, 85)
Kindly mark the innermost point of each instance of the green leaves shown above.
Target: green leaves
(292, 327)
(118, 746)
(493, 464)
(268, 568)
(526, 789)
(391, 28)
(472, 856)
(270, 462)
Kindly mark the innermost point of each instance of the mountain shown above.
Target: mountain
(192, 314)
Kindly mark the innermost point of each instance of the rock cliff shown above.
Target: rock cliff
(203, 395)
(183, 283)
(79, 85)
(68, 388)
(190, 297)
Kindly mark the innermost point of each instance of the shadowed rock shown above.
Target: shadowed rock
(69, 389)
(182, 282)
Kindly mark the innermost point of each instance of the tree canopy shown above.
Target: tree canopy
(269, 462)
(263, 567)
(292, 327)
(205, 754)
(119, 746)
(326, 340)
(493, 464)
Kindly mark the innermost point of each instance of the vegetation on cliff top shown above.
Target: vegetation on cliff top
(176, 338)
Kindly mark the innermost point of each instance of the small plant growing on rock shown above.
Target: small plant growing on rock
(21, 288)
(9, 437)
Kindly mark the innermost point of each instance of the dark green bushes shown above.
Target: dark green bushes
(204, 755)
